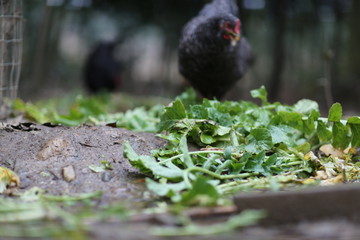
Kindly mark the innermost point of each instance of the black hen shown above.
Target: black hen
(212, 55)
(102, 71)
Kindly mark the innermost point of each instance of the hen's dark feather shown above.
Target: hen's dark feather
(102, 71)
(217, 7)
(206, 59)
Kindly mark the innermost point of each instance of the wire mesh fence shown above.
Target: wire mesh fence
(10, 52)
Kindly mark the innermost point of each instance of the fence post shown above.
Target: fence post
(10, 53)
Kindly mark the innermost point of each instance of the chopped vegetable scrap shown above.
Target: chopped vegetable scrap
(8, 179)
(242, 146)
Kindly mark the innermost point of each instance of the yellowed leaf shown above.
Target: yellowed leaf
(308, 181)
(328, 150)
(335, 180)
(321, 175)
(311, 156)
(8, 179)
(350, 150)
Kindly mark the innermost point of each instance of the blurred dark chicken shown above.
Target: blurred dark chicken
(212, 54)
(102, 71)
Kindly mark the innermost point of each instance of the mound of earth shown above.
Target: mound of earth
(58, 159)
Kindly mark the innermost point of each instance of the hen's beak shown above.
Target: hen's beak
(235, 39)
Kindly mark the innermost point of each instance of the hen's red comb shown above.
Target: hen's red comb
(237, 26)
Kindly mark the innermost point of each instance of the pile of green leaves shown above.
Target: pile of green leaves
(241, 146)
(95, 109)
(234, 145)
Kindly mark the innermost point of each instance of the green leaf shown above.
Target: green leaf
(185, 151)
(33, 112)
(228, 151)
(292, 119)
(260, 93)
(256, 164)
(202, 193)
(129, 152)
(188, 97)
(237, 167)
(340, 137)
(282, 134)
(199, 112)
(269, 163)
(169, 171)
(323, 133)
(165, 189)
(223, 119)
(304, 148)
(354, 120)
(149, 164)
(175, 112)
(354, 123)
(335, 112)
(207, 139)
(245, 218)
(221, 131)
(306, 106)
(310, 123)
(105, 165)
(96, 168)
(259, 139)
(133, 157)
(261, 116)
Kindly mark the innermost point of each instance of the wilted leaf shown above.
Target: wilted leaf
(335, 180)
(8, 179)
(328, 150)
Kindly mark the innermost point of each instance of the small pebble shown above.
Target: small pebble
(25, 182)
(56, 146)
(68, 173)
(106, 177)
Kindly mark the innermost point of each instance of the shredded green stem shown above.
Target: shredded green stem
(215, 175)
(190, 153)
(291, 164)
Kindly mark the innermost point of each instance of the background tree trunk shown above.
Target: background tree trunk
(278, 12)
(354, 40)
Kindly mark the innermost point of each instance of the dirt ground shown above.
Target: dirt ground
(41, 154)
(57, 159)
